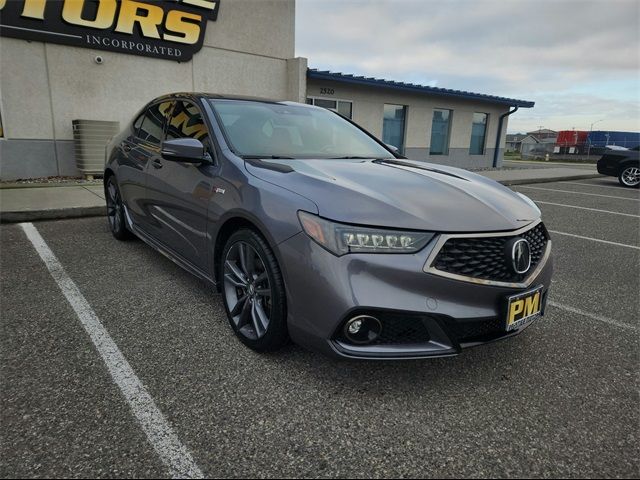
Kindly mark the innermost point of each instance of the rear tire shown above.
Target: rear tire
(253, 292)
(115, 211)
(630, 176)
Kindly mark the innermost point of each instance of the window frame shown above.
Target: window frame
(164, 125)
(449, 128)
(210, 143)
(314, 98)
(484, 140)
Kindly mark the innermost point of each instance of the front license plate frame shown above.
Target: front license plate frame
(524, 308)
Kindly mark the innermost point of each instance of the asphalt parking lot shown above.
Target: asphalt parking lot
(560, 400)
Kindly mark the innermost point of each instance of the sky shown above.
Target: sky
(579, 60)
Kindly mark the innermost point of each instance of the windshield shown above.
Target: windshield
(292, 131)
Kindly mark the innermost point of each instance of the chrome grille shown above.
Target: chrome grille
(483, 257)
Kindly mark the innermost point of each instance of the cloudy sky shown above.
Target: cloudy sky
(578, 60)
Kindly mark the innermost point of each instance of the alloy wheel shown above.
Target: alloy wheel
(630, 176)
(247, 290)
(114, 207)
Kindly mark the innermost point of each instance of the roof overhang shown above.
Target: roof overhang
(413, 88)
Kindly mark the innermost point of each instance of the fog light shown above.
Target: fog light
(362, 329)
(354, 326)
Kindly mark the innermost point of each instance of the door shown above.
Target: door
(178, 193)
(139, 150)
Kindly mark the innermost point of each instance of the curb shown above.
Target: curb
(52, 214)
(526, 181)
(13, 186)
(99, 211)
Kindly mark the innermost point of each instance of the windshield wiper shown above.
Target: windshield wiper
(261, 157)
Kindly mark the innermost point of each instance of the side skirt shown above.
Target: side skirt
(167, 252)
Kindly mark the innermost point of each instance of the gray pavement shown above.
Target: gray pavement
(561, 400)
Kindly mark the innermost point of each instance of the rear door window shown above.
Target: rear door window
(152, 127)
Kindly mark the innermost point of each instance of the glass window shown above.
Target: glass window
(393, 126)
(440, 127)
(478, 133)
(264, 129)
(342, 107)
(321, 102)
(137, 123)
(152, 126)
(186, 122)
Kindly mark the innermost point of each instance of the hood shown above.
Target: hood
(401, 194)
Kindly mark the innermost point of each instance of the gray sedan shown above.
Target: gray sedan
(313, 230)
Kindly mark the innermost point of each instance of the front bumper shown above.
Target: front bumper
(323, 291)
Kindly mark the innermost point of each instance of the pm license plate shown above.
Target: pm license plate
(524, 308)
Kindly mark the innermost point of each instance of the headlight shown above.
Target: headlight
(341, 239)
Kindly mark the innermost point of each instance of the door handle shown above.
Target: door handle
(156, 163)
(126, 147)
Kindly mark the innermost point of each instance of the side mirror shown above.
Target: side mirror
(393, 148)
(187, 150)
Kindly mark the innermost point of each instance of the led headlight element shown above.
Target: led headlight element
(341, 239)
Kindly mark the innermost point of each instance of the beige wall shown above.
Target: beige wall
(247, 51)
(368, 106)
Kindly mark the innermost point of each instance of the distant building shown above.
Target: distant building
(582, 141)
(533, 146)
(544, 134)
(513, 142)
(601, 138)
(571, 141)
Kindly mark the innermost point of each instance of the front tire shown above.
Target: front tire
(630, 176)
(253, 292)
(115, 211)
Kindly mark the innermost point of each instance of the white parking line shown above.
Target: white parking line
(595, 239)
(580, 193)
(600, 318)
(586, 208)
(617, 187)
(160, 434)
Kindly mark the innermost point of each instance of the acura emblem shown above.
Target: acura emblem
(519, 254)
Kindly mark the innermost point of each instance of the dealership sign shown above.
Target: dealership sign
(169, 29)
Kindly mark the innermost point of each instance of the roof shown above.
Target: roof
(515, 137)
(542, 131)
(413, 88)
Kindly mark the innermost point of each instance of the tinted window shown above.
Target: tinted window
(440, 126)
(137, 123)
(478, 133)
(393, 126)
(187, 122)
(153, 123)
(266, 129)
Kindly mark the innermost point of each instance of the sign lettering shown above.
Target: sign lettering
(169, 29)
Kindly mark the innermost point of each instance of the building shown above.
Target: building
(571, 142)
(544, 134)
(585, 142)
(514, 142)
(601, 138)
(425, 123)
(103, 60)
(534, 147)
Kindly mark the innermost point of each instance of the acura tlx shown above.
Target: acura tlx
(313, 230)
